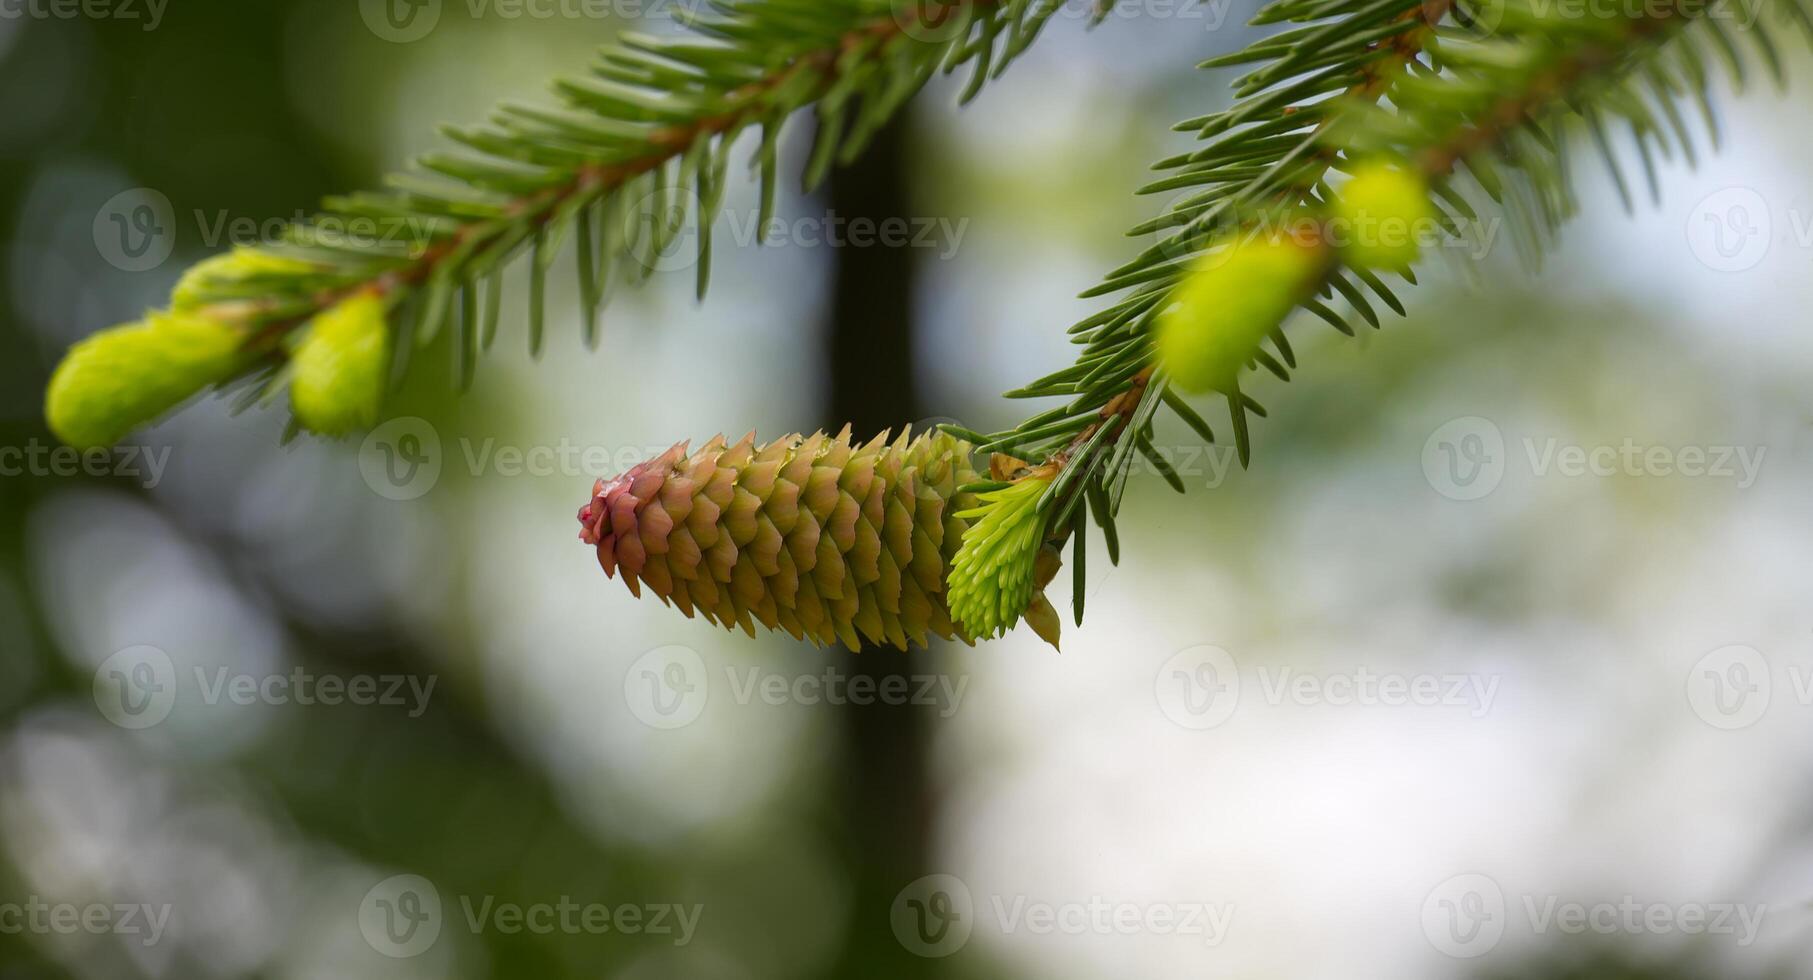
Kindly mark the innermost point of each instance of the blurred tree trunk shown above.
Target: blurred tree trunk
(885, 809)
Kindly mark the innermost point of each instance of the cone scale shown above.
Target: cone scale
(828, 540)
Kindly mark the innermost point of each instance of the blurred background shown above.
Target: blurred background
(1498, 663)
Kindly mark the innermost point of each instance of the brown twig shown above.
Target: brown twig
(541, 206)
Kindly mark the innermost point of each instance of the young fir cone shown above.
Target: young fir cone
(830, 541)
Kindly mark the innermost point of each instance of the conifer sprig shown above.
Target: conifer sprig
(1412, 111)
(1469, 103)
(639, 148)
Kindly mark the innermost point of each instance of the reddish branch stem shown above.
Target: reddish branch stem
(670, 142)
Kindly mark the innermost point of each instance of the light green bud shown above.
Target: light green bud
(1378, 216)
(1238, 291)
(341, 367)
(225, 271)
(992, 578)
(126, 376)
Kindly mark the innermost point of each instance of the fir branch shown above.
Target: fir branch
(639, 148)
(1410, 109)
(1476, 98)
